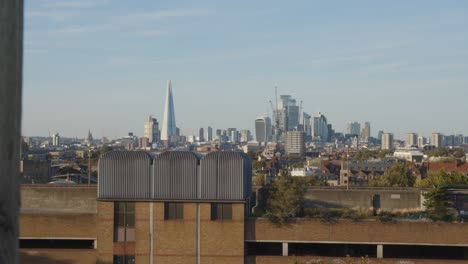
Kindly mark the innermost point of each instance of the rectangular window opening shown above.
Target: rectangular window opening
(221, 211)
(56, 243)
(173, 211)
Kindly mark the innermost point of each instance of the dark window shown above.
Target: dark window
(56, 243)
(124, 221)
(127, 259)
(221, 211)
(173, 211)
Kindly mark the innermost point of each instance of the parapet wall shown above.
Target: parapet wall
(48, 197)
(386, 199)
(365, 232)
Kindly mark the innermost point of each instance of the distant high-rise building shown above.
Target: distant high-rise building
(152, 130)
(169, 129)
(244, 135)
(209, 134)
(287, 113)
(89, 139)
(56, 139)
(232, 134)
(219, 132)
(387, 141)
(421, 141)
(411, 139)
(379, 135)
(366, 132)
(307, 126)
(354, 128)
(319, 128)
(201, 134)
(458, 140)
(437, 140)
(449, 140)
(263, 129)
(295, 143)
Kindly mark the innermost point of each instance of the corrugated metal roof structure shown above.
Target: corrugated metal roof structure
(125, 175)
(225, 175)
(175, 175)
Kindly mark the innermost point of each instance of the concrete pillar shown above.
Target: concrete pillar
(11, 64)
(379, 251)
(285, 249)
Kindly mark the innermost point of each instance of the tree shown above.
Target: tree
(285, 200)
(458, 153)
(398, 175)
(437, 152)
(438, 207)
(443, 178)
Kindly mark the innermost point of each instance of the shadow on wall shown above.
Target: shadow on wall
(26, 258)
(35, 258)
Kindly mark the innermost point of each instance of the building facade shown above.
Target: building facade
(169, 129)
(411, 139)
(152, 130)
(295, 143)
(263, 129)
(437, 140)
(387, 141)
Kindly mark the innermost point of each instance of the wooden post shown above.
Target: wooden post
(11, 65)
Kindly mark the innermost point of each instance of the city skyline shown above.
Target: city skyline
(398, 69)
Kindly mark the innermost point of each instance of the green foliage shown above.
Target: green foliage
(365, 154)
(310, 181)
(438, 206)
(398, 175)
(443, 178)
(437, 152)
(260, 180)
(458, 153)
(285, 200)
(383, 153)
(297, 165)
(257, 165)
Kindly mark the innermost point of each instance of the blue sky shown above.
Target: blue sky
(103, 65)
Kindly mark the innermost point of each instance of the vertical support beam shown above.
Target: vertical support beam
(380, 251)
(11, 66)
(285, 249)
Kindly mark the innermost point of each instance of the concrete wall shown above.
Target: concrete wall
(409, 232)
(363, 197)
(49, 198)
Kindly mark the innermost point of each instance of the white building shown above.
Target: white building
(409, 154)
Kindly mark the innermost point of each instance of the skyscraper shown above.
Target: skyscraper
(263, 129)
(201, 134)
(56, 139)
(307, 126)
(411, 139)
(209, 134)
(436, 140)
(295, 143)
(354, 128)
(320, 127)
(169, 130)
(366, 132)
(152, 130)
(387, 141)
(421, 142)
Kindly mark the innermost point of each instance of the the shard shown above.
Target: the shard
(168, 131)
